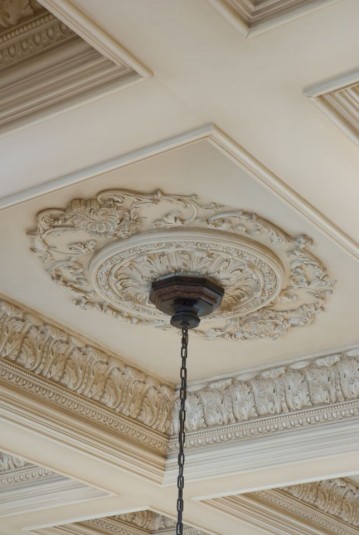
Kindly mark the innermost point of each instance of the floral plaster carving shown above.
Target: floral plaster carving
(328, 506)
(43, 350)
(335, 497)
(8, 462)
(107, 250)
(16, 472)
(138, 523)
(147, 520)
(14, 11)
(278, 391)
(51, 353)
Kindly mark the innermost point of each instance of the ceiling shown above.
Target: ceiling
(249, 105)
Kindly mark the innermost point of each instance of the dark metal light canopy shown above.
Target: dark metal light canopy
(186, 300)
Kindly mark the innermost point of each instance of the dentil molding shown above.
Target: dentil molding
(107, 250)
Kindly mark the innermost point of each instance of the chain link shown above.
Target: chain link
(181, 433)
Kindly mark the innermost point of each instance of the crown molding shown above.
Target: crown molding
(33, 488)
(95, 36)
(337, 497)
(60, 62)
(291, 391)
(44, 372)
(280, 449)
(338, 98)
(120, 525)
(252, 18)
(53, 354)
(329, 506)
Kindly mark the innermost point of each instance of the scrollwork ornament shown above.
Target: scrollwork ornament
(107, 250)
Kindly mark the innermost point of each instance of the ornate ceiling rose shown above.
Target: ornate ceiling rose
(108, 250)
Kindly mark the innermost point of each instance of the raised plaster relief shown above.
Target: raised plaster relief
(16, 472)
(142, 522)
(278, 391)
(9, 462)
(329, 507)
(336, 497)
(50, 352)
(12, 12)
(107, 251)
(26, 30)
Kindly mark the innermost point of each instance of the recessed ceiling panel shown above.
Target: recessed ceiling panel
(339, 99)
(45, 64)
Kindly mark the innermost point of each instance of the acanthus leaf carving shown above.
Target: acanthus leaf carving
(107, 250)
(296, 387)
(52, 353)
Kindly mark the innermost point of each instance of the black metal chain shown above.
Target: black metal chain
(181, 433)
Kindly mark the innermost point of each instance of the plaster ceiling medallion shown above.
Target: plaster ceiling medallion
(108, 250)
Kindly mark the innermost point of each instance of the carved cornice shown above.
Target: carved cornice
(330, 506)
(140, 523)
(50, 363)
(32, 38)
(63, 66)
(28, 475)
(107, 250)
(9, 462)
(52, 354)
(12, 12)
(291, 392)
(336, 497)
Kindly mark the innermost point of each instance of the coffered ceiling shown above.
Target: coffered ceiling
(143, 138)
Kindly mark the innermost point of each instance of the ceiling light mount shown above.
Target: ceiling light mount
(186, 299)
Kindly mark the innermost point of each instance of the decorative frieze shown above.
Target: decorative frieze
(107, 251)
(330, 506)
(336, 497)
(49, 352)
(139, 523)
(12, 12)
(8, 462)
(285, 391)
